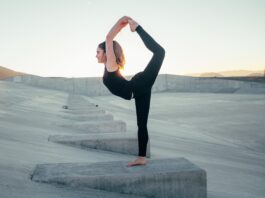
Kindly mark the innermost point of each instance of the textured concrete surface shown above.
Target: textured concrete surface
(169, 178)
(222, 133)
(84, 111)
(82, 107)
(27, 117)
(116, 142)
(87, 118)
(97, 127)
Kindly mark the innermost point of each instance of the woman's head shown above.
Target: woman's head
(101, 54)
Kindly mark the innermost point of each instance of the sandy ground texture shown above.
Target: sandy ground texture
(222, 133)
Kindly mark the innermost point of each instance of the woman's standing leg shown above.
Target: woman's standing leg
(142, 104)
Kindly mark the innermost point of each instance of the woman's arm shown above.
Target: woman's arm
(111, 58)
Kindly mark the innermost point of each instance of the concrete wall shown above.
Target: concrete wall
(88, 86)
(212, 85)
(94, 86)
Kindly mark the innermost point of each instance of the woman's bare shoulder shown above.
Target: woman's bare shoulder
(112, 68)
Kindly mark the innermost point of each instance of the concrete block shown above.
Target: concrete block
(98, 127)
(114, 142)
(160, 178)
(88, 117)
(82, 112)
(79, 103)
(83, 107)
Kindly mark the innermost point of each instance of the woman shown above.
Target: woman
(139, 87)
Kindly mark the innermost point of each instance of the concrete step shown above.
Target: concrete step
(114, 142)
(78, 99)
(79, 108)
(84, 111)
(160, 178)
(80, 103)
(73, 97)
(98, 127)
(92, 117)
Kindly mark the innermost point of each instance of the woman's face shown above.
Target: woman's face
(101, 56)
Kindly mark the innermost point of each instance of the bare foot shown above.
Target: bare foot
(133, 24)
(138, 162)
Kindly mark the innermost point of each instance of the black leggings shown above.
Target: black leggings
(142, 84)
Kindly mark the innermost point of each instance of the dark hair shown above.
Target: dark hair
(120, 59)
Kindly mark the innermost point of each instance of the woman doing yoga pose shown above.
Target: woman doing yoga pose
(139, 87)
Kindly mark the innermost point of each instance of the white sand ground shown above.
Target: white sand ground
(222, 133)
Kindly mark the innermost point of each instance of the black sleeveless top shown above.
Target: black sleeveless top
(117, 84)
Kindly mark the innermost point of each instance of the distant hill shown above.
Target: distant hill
(233, 73)
(256, 74)
(211, 74)
(6, 73)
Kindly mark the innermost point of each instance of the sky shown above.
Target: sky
(60, 37)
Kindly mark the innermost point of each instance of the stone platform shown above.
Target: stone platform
(114, 142)
(97, 127)
(176, 177)
(89, 117)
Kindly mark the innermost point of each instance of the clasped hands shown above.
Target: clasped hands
(123, 21)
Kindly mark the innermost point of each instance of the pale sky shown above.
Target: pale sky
(60, 37)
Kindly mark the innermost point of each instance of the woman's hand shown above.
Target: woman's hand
(123, 21)
(133, 24)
